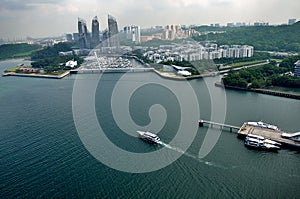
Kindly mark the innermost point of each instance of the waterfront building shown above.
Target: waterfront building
(83, 36)
(195, 51)
(113, 32)
(95, 32)
(297, 69)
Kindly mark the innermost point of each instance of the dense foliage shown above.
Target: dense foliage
(272, 38)
(55, 61)
(289, 62)
(52, 51)
(264, 76)
(16, 50)
(49, 59)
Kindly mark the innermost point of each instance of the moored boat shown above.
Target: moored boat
(258, 142)
(263, 125)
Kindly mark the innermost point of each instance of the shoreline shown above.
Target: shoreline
(36, 75)
(262, 91)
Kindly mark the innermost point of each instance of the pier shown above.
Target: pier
(246, 129)
(212, 124)
(268, 133)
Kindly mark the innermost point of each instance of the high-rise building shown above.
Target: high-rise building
(83, 36)
(133, 33)
(113, 32)
(95, 32)
(69, 37)
(75, 36)
(104, 39)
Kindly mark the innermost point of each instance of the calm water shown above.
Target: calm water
(42, 155)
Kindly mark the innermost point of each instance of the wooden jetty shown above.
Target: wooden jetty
(246, 129)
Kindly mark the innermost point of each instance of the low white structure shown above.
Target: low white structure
(71, 63)
(184, 73)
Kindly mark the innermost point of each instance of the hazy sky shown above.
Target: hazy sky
(38, 18)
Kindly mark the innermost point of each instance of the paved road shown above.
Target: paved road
(244, 67)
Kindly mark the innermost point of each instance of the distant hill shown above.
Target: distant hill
(271, 38)
(16, 50)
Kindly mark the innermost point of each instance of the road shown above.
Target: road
(244, 67)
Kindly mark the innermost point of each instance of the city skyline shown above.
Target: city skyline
(37, 18)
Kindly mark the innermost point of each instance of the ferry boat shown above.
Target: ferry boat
(258, 142)
(148, 137)
(292, 136)
(263, 125)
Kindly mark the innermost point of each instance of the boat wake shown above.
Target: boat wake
(193, 156)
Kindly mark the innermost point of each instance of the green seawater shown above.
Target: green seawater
(42, 156)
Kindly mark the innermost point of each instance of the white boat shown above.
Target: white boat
(292, 136)
(148, 136)
(263, 125)
(258, 142)
(258, 137)
(268, 141)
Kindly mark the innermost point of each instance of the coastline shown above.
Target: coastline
(37, 75)
(262, 91)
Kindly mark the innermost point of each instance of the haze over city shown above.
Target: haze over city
(37, 18)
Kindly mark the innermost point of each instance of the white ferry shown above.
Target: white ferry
(148, 137)
(263, 125)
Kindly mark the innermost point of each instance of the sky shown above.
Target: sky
(38, 18)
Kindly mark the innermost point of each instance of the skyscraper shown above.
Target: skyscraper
(83, 36)
(133, 33)
(95, 32)
(113, 32)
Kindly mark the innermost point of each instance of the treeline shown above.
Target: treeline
(49, 59)
(55, 61)
(16, 50)
(52, 51)
(270, 38)
(265, 76)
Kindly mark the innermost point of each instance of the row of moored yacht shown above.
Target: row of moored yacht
(259, 142)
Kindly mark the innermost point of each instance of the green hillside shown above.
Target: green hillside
(16, 50)
(272, 38)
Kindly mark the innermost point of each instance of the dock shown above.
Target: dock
(212, 124)
(246, 129)
(268, 133)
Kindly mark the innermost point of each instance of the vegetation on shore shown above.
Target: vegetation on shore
(269, 38)
(265, 76)
(8, 51)
(48, 61)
